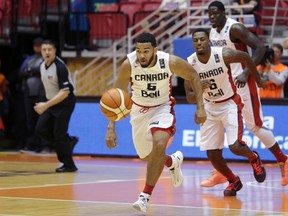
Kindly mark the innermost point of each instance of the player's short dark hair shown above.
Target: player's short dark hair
(201, 30)
(50, 42)
(146, 37)
(220, 6)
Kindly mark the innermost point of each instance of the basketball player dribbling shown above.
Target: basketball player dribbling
(226, 32)
(223, 106)
(152, 116)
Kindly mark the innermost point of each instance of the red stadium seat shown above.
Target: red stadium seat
(134, 1)
(266, 15)
(150, 6)
(56, 6)
(138, 16)
(120, 24)
(159, 1)
(99, 26)
(52, 4)
(5, 21)
(29, 13)
(108, 8)
(2, 9)
(24, 9)
(130, 8)
(107, 25)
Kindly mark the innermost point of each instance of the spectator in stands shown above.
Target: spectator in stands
(173, 5)
(285, 52)
(285, 43)
(274, 71)
(285, 47)
(166, 5)
(3, 88)
(247, 20)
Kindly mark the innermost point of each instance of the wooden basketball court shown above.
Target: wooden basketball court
(108, 187)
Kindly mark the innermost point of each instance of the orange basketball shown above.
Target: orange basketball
(115, 104)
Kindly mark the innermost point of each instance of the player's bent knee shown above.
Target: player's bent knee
(145, 158)
(214, 154)
(235, 148)
(254, 129)
(159, 148)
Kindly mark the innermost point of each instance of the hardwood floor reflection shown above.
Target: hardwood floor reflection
(108, 186)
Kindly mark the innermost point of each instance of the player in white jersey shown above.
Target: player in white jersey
(223, 106)
(226, 32)
(152, 116)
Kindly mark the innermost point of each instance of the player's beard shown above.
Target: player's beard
(149, 62)
(200, 53)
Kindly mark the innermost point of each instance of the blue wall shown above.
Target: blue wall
(183, 47)
(90, 125)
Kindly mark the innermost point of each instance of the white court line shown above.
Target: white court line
(155, 205)
(105, 166)
(93, 182)
(251, 184)
(111, 181)
(259, 185)
(78, 183)
(80, 165)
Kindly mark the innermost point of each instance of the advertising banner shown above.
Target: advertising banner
(90, 125)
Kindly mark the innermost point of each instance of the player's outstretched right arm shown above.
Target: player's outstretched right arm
(122, 81)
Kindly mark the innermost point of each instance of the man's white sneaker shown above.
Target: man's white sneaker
(142, 203)
(175, 169)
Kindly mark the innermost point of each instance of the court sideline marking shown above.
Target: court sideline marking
(155, 205)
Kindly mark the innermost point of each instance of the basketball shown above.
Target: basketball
(115, 104)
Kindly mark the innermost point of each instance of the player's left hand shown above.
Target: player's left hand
(200, 116)
(205, 84)
(241, 80)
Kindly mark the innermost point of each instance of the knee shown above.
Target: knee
(253, 129)
(235, 147)
(209, 155)
(214, 155)
(159, 148)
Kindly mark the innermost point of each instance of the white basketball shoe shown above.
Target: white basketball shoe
(142, 203)
(175, 169)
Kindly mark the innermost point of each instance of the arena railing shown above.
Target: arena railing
(185, 22)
